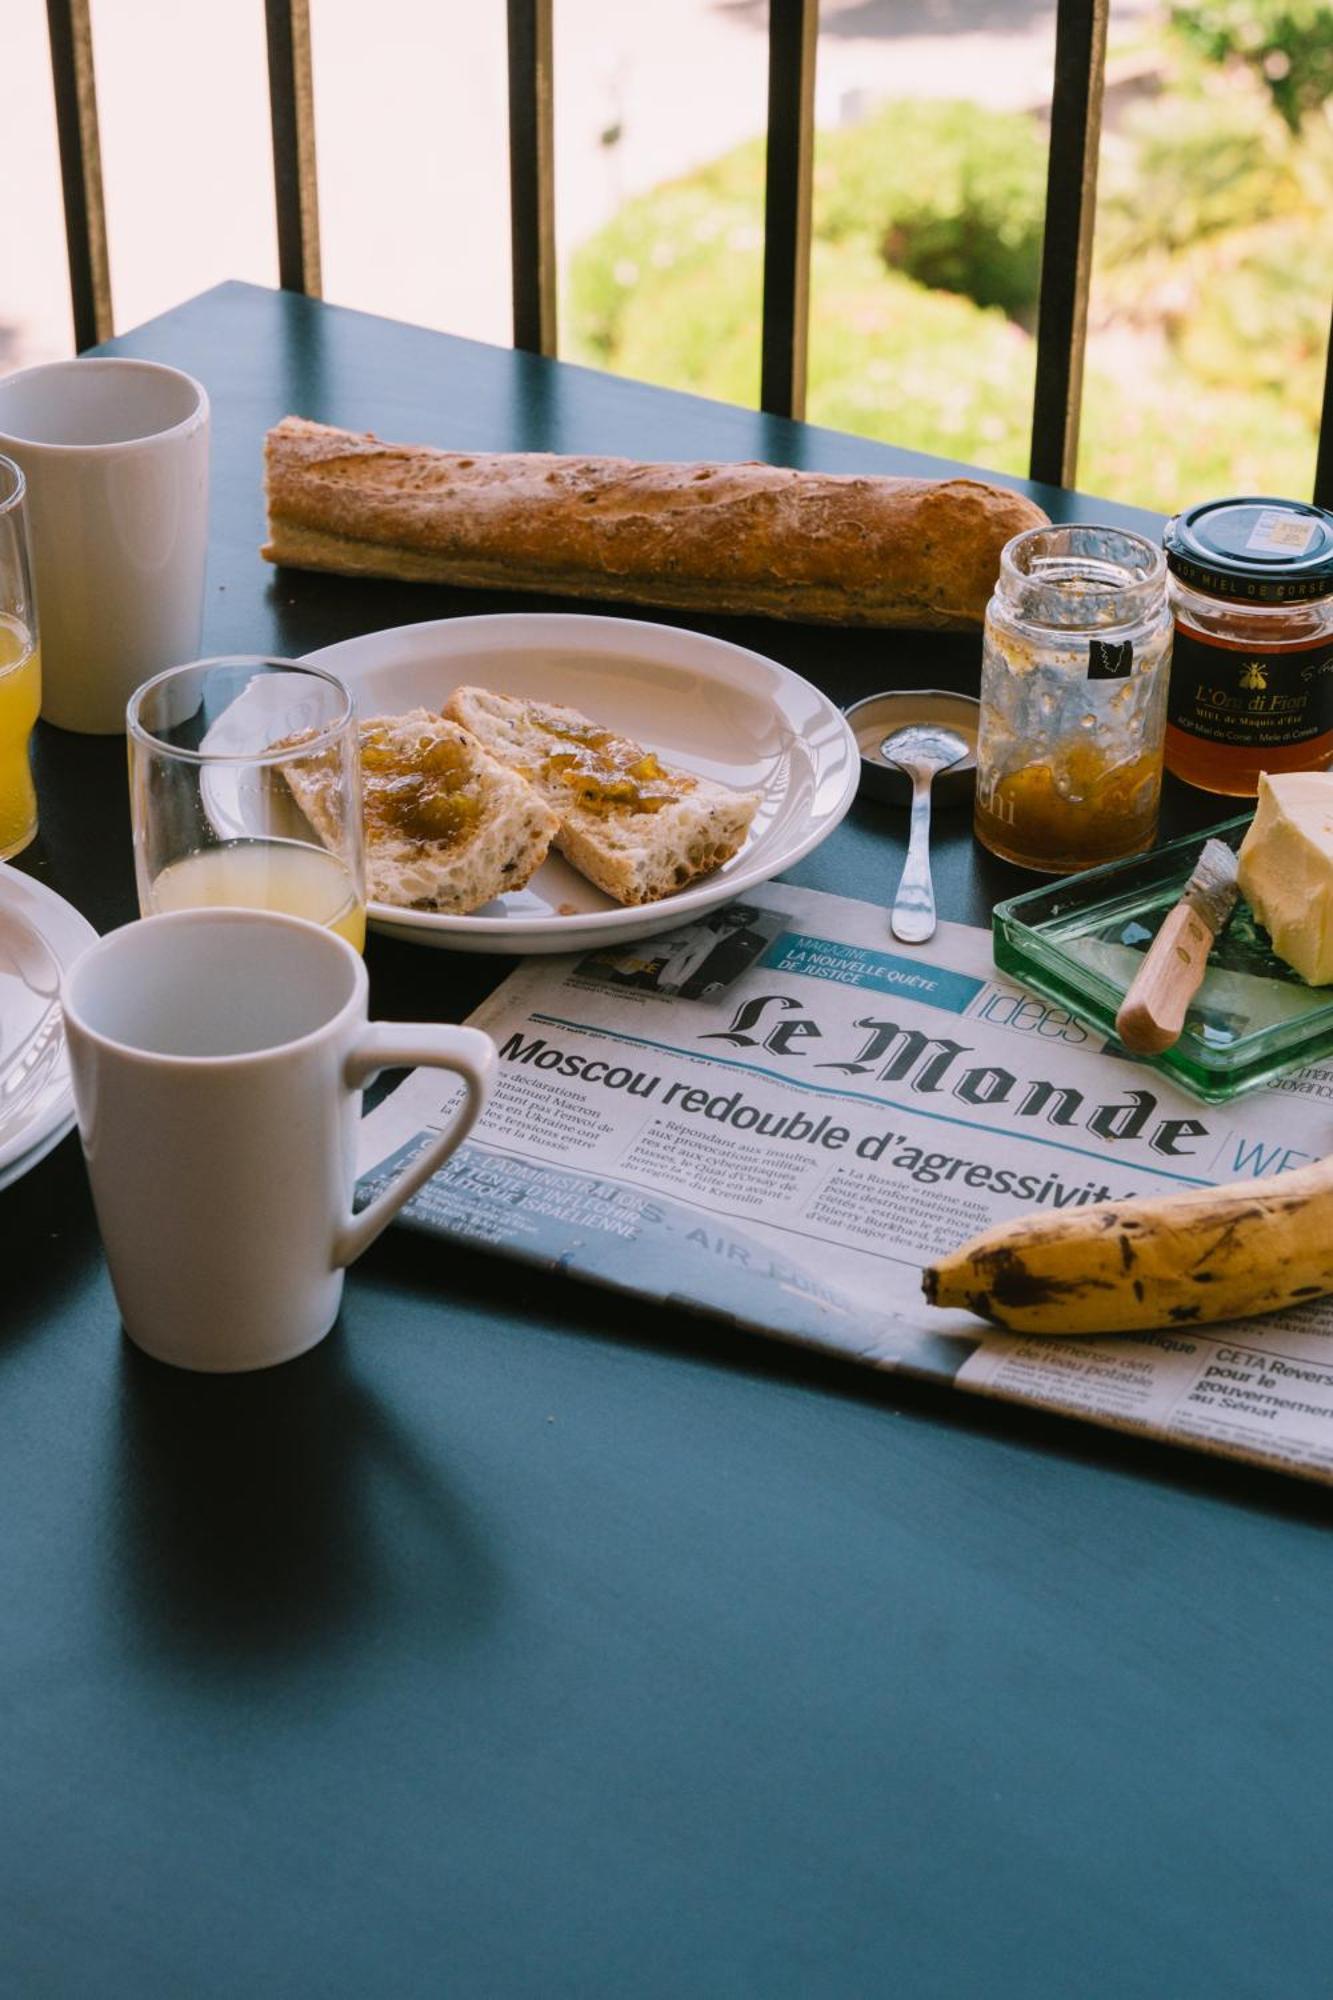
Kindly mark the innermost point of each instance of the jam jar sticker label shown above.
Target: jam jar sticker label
(1277, 534)
(1253, 701)
(1108, 662)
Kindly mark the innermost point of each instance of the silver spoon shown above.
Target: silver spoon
(920, 751)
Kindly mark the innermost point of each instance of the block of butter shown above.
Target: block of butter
(1286, 869)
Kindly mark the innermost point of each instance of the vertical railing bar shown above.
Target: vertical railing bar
(1066, 264)
(69, 25)
(793, 35)
(1323, 472)
(532, 173)
(291, 97)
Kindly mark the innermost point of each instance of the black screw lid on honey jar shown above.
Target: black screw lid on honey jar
(1255, 550)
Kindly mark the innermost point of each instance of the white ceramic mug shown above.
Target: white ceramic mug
(115, 454)
(218, 1059)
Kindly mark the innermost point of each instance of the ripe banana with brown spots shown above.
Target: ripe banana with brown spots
(1172, 1260)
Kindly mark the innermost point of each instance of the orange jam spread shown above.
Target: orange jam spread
(605, 773)
(1073, 811)
(433, 797)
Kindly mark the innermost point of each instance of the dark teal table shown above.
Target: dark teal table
(521, 1642)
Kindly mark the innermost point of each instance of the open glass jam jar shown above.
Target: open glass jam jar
(1073, 699)
(1251, 587)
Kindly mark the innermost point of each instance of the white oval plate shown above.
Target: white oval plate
(41, 935)
(717, 709)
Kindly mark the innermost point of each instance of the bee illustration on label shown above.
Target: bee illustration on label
(1254, 678)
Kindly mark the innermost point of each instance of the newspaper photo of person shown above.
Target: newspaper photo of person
(698, 961)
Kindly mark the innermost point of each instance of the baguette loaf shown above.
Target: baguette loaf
(637, 828)
(448, 827)
(831, 547)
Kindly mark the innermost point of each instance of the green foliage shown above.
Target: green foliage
(1259, 318)
(949, 193)
(1171, 440)
(658, 242)
(1190, 168)
(888, 357)
(1286, 44)
(694, 320)
(1205, 364)
(946, 193)
(928, 370)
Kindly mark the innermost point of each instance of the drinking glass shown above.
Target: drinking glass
(20, 667)
(245, 791)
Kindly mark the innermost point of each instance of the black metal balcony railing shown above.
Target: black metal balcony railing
(291, 96)
(1071, 196)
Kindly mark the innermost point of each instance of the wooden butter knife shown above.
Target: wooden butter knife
(1153, 1011)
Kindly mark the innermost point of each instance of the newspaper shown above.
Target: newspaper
(770, 1116)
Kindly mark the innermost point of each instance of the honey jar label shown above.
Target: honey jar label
(1252, 700)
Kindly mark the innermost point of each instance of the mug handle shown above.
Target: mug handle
(402, 1045)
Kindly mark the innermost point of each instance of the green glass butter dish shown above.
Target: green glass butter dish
(1080, 941)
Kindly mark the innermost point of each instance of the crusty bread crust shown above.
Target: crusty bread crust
(513, 831)
(635, 855)
(839, 548)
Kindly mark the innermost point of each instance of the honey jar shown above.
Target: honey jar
(1251, 588)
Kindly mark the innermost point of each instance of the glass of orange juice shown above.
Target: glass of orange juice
(245, 790)
(20, 667)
